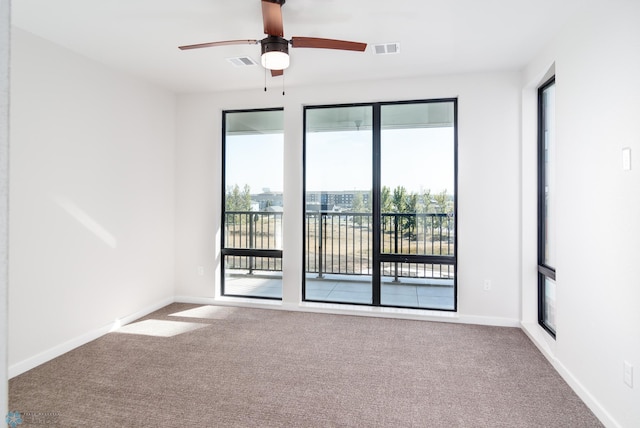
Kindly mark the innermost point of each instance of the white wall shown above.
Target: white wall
(488, 187)
(91, 199)
(597, 63)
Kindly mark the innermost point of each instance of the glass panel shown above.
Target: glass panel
(253, 276)
(418, 285)
(417, 179)
(417, 202)
(548, 100)
(249, 229)
(547, 207)
(436, 271)
(418, 233)
(550, 303)
(345, 248)
(338, 224)
(253, 208)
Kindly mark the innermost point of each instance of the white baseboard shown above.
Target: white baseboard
(491, 321)
(356, 310)
(534, 332)
(231, 301)
(195, 300)
(56, 351)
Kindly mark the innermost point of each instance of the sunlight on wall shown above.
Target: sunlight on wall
(86, 220)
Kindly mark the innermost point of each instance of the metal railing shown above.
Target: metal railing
(253, 230)
(341, 242)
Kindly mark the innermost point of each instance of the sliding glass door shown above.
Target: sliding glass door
(380, 203)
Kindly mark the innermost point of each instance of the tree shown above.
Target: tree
(411, 203)
(231, 200)
(442, 207)
(386, 205)
(426, 200)
(425, 207)
(442, 201)
(357, 206)
(400, 199)
(236, 200)
(245, 204)
(405, 203)
(411, 206)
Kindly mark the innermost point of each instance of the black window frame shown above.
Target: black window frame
(544, 270)
(379, 257)
(246, 252)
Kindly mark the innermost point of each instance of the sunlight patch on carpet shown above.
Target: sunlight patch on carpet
(160, 328)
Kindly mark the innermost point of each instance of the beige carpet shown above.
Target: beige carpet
(238, 367)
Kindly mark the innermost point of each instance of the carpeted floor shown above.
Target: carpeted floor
(239, 367)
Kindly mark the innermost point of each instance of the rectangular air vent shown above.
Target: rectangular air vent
(242, 61)
(387, 48)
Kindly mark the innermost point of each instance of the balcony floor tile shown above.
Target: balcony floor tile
(410, 292)
(435, 302)
(315, 294)
(399, 300)
(437, 291)
(254, 286)
(399, 289)
(349, 297)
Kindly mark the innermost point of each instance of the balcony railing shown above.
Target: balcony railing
(341, 243)
(260, 230)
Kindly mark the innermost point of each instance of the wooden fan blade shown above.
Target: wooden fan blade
(223, 43)
(272, 17)
(314, 42)
(276, 73)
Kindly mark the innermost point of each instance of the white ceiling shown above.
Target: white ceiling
(141, 37)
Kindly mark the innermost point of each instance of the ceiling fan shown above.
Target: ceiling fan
(275, 48)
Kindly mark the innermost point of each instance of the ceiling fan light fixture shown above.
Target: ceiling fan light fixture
(275, 53)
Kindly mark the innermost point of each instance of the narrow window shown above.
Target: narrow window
(546, 207)
(252, 183)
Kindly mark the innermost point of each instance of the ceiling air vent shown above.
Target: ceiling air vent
(242, 61)
(386, 48)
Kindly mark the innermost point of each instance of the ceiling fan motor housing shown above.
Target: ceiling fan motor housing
(274, 43)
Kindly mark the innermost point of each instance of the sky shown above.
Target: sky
(418, 159)
(256, 160)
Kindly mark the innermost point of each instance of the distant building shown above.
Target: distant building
(342, 199)
(316, 201)
(267, 199)
(321, 207)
